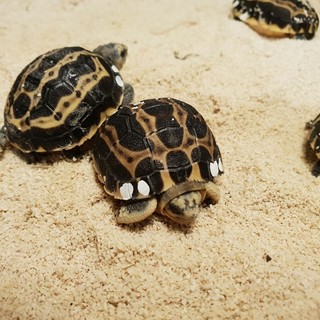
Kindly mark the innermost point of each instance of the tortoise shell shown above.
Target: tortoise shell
(314, 140)
(278, 18)
(146, 148)
(60, 99)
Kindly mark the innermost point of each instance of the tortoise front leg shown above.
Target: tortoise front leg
(3, 140)
(136, 211)
(316, 169)
(128, 94)
(213, 193)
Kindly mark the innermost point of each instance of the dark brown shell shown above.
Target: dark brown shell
(278, 18)
(60, 99)
(314, 136)
(146, 148)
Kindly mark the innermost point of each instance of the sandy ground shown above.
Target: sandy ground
(254, 255)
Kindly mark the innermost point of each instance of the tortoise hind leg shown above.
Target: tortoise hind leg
(212, 193)
(136, 211)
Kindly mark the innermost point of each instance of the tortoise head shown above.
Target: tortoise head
(116, 53)
(185, 208)
(181, 202)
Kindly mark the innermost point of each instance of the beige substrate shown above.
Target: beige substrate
(255, 255)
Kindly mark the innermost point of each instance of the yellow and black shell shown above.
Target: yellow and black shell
(278, 18)
(60, 99)
(146, 148)
(314, 140)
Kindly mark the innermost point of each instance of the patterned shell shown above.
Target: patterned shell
(314, 137)
(278, 18)
(146, 148)
(60, 99)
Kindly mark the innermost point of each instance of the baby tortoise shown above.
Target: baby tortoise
(314, 140)
(61, 98)
(158, 155)
(278, 18)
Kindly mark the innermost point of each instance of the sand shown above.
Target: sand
(254, 255)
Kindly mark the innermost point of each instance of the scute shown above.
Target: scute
(21, 105)
(177, 159)
(59, 100)
(145, 167)
(164, 156)
(134, 142)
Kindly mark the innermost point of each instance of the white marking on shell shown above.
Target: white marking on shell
(220, 165)
(244, 16)
(214, 169)
(298, 20)
(119, 81)
(143, 188)
(126, 191)
(114, 69)
(235, 4)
